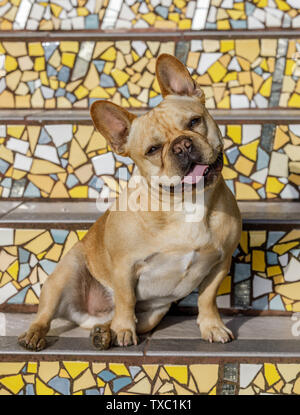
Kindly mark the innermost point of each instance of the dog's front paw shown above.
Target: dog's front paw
(101, 337)
(33, 339)
(215, 331)
(124, 337)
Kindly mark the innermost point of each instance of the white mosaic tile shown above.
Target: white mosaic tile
(139, 46)
(60, 133)
(261, 101)
(250, 132)
(248, 373)
(260, 176)
(292, 270)
(19, 146)
(22, 14)
(279, 165)
(254, 23)
(239, 101)
(6, 237)
(22, 162)
(104, 164)
(47, 153)
(283, 259)
(206, 60)
(199, 19)
(261, 286)
(289, 192)
(191, 6)
(7, 291)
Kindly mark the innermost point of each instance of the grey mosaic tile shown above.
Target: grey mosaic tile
(242, 294)
(228, 389)
(231, 372)
(182, 50)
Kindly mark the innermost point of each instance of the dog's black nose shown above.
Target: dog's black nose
(182, 145)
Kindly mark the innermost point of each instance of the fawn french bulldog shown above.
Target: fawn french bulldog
(122, 277)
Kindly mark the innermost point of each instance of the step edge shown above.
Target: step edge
(144, 353)
(268, 114)
(247, 216)
(149, 34)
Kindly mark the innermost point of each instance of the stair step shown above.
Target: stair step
(240, 116)
(243, 72)
(264, 276)
(87, 212)
(61, 156)
(174, 15)
(173, 359)
(148, 34)
(68, 339)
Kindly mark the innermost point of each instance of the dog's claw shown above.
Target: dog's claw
(125, 338)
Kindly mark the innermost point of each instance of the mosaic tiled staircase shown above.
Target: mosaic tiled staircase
(60, 57)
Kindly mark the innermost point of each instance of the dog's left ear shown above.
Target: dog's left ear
(174, 78)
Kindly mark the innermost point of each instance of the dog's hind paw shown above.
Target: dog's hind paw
(101, 337)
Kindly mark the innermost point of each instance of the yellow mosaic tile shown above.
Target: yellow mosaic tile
(206, 376)
(13, 383)
(75, 368)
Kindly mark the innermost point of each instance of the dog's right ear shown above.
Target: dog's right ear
(113, 122)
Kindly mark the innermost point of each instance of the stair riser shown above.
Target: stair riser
(237, 73)
(265, 272)
(33, 376)
(169, 15)
(72, 160)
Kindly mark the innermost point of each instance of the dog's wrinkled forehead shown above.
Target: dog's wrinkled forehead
(166, 121)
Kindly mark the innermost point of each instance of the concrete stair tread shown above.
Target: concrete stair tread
(248, 115)
(144, 34)
(175, 336)
(49, 212)
(86, 212)
(8, 206)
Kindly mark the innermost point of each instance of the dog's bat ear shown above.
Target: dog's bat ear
(113, 122)
(174, 78)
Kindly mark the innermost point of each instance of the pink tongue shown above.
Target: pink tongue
(196, 174)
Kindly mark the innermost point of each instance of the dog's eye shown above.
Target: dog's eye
(153, 149)
(194, 122)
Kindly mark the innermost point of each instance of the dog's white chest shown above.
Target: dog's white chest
(166, 277)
